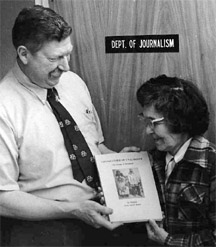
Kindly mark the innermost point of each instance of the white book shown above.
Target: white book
(128, 185)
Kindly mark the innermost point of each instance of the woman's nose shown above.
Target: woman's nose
(149, 130)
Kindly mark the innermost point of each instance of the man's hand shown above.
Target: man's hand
(156, 233)
(100, 196)
(95, 215)
(130, 149)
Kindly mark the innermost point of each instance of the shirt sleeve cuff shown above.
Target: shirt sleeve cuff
(168, 239)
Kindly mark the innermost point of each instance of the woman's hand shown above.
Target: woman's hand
(130, 149)
(155, 232)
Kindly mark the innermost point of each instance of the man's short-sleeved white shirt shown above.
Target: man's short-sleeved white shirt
(33, 157)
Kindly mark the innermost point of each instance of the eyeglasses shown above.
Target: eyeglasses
(151, 123)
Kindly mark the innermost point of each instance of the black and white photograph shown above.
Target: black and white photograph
(128, 183)
(82, 79)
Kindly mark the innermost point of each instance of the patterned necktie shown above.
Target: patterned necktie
(169, 167)
(82, 161)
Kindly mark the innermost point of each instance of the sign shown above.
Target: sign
(142, 43)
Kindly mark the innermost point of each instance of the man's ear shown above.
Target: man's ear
(23, 54)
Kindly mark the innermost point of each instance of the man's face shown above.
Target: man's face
(46, 66)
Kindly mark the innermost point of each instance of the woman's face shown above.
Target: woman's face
(163, 138)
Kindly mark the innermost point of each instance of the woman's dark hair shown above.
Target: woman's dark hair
(36, 25)
(179, 101)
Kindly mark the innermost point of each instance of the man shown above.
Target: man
(134, 183)
(41, 203)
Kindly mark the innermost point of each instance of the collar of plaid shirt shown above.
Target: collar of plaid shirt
(171, 161)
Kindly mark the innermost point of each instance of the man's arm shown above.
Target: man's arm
(104, 149)
(22, 205)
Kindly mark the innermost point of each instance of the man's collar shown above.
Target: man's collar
(40, 93)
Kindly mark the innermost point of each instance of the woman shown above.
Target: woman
(122, 186)
(176, 116)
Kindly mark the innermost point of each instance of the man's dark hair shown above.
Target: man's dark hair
(179, 101)
(36, 25)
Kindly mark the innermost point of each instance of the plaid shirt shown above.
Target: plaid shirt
(189, 197)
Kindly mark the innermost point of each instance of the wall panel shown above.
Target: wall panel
(9, 10)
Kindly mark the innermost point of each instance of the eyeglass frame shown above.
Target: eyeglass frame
(150, 122)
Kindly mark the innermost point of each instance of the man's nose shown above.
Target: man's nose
(64, 64)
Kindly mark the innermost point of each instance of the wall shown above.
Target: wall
(114, 78)
(9, 10)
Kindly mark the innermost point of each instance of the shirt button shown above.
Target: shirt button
(92, 159)
(89, 179)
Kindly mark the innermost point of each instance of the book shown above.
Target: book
(129, 188)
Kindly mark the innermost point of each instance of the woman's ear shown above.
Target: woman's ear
(23, 53)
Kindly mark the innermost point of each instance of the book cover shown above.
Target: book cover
(128, 185)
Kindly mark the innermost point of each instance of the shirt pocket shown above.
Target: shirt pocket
(192, 204)
(87, 117)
